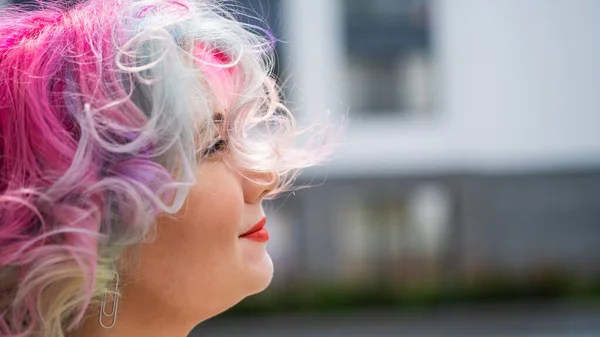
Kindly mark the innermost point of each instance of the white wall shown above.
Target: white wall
(519, 85)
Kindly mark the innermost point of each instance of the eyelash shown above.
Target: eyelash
(217, 146)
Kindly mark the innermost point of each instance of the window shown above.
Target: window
(402, 233)
(388, 48)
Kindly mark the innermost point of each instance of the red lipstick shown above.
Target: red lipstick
(258, 232)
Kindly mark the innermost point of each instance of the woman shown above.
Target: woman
(137, 142)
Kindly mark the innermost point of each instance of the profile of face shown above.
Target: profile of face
(211, 254)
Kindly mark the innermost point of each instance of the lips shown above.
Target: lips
(258, 232)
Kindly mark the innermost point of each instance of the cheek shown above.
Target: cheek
(209, 228)
(195, 256)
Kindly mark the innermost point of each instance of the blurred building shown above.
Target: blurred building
(472, 147)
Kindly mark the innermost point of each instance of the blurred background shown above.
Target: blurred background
(464, 199)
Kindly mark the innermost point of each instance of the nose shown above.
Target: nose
(257, 186)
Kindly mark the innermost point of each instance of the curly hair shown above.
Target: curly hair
(106, 109)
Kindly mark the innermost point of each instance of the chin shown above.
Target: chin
(260, 276)
(254, 279)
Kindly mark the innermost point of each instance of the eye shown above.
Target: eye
(217, 145)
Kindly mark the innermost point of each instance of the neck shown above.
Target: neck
(139, 314)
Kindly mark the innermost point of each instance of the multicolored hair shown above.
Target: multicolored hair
(106, 109)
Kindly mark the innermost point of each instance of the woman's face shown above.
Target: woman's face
(199, 264)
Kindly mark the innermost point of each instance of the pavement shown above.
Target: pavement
(514, 320)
